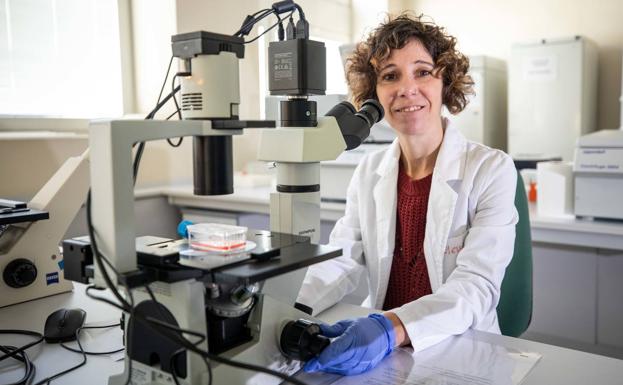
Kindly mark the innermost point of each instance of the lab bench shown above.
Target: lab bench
(577, 265)
(556, 365)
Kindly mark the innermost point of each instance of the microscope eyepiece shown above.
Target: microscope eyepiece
(355, 125)
(372, 111)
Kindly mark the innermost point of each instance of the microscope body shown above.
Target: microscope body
(223, 304)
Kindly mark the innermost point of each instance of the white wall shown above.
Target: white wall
(489, 27)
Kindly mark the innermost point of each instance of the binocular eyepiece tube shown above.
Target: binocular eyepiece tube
(355, 125)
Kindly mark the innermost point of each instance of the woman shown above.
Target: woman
(431, 219)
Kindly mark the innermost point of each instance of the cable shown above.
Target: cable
(251, 20)
(271, 27)
(102, 299)
(165, 80)
(38, 336)
(141, 145)
(97, 257)
(29, 368)
(177, 107)
(172, 359)
(188, 345)
(47, 380)
(170, 116)
(19, 354)
(94, 353)
(173, 366)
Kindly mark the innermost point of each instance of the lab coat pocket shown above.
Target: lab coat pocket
(452, 250)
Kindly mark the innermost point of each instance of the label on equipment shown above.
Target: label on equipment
(283, 66)
(51, 278)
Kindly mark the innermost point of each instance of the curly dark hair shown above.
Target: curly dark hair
(363, 65)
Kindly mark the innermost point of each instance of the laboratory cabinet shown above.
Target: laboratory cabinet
(578, 295)
(610, 298)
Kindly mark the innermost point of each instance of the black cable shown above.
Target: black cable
(47, 380)
(300, 10)
(29, 368)
(141, 145)
(19, 354)
(178, 110)
(176, 337)
(253, 20)
(129, 333)
(102, 299)
(177, 107)
(162, 103)
(174, 366)
(97, 256)
(271, 27)
(172, 362)
(94, 353)
(38, 336)
(173, 113)
(164, 83)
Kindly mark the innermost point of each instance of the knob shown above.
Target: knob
(301, 340)
(19, 273)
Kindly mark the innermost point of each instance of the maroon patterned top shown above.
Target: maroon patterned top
(408, 279)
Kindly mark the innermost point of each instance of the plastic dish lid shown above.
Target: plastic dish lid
(216, 237)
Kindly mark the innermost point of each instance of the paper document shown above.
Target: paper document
(456, 361)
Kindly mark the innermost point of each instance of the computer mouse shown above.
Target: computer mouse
(61, 326)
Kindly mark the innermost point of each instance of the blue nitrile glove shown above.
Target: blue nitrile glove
(182, 230)
(359, 345)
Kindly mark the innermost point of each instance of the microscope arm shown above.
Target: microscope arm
(37, 246)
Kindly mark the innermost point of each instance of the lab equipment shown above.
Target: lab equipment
(301, 340)
(222, 306)
(552, 96)
(31, 264)
(598, 170)
(484, 119)
(217, 237)
(555, 189)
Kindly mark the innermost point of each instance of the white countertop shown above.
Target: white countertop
(576, 231)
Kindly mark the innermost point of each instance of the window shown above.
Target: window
(60, 58)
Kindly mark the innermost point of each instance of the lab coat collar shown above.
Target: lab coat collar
(450, 160)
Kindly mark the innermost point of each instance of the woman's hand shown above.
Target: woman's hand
(358, 346)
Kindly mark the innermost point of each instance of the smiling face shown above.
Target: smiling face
(410, 90)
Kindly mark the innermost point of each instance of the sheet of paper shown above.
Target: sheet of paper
(456, 361)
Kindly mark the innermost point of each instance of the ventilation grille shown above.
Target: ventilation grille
(192, 101)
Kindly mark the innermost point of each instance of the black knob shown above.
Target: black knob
(19, 273)
(301, 340)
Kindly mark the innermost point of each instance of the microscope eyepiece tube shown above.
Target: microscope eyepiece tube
(372, 111)
(355, 125)
(213, 171)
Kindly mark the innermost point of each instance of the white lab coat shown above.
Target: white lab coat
(469, 238)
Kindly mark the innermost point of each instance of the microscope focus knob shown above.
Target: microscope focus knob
(301, 340)
(19, 273)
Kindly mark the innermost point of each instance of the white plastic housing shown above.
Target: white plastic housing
(213, 89)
